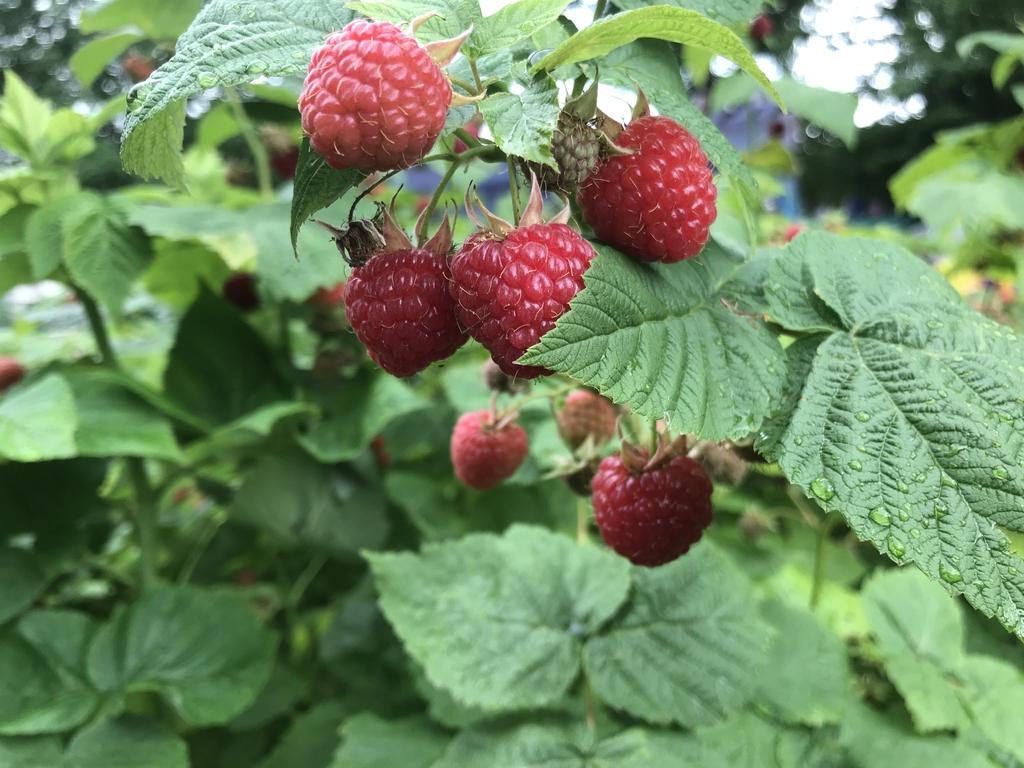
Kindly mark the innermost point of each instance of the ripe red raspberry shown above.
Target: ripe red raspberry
(374, 99)
(762, 28)
(327, 298)
(240, 290)
(484, 451)
(651, 517)
(11, 372)
(586, 414)
(658, 203)
(511, 284)
(399, 305)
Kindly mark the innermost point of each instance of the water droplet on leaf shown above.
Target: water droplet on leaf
(823, 489)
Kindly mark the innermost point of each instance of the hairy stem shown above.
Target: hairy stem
(513, 189)
(260, 157)
(582, 521)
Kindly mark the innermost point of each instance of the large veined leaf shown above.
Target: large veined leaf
(728, 12)
(454, 16)
(546, 745)
(523, 123)
(311, 739)
(910, 421)
(663, 22)
(367, 741)
(499, 621)
(652, 65)
(827, 109)
(206, 653)
(126, 743)
(227, 44)
(512, 24)
(663, 340)
(38, 421)
(316, 186)
(686, 647)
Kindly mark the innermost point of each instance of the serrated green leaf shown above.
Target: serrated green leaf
(226, 45)
(157, 19)
(129, 742)
(205, 652)
(455, 16)
(498, 621)
(367, 741)
(728, 12)
(920, 635)
(993, 694)
(652, 65)
(89, 61)
(316, 186)
(179, 269)
(102, 253)
(523, 123)
(685, 647)
(311, 740)
(299, 500)
(805, 678)
(545, 745)
(826, 109)
(38, 421)
(44, 241)
(24, 578)
(662, 22)
(659, 339)
(514, 23)
(910, 423)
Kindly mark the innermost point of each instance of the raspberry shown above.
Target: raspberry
(11, 372)
(577, 149)
(762, 28)
(586, 414)
(791, 232)
(325, 298)
(374, 99)
(651, 517)
(240, 290)
(658, 203)
(399, 307)
(486, 452)
(510, 290)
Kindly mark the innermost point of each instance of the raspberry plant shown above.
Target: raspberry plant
(231, 537)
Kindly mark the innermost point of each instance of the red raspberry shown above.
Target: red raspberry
(374, 99)
(762, 28)
(651, 517)
(240, 289)
(658, 203)
(791, 232)
(399, 307)
(510, 290)
(586, 414)
(486, 452)
(327, 298)
(11, 372)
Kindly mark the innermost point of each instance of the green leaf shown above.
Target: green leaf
(920, 636)
(883, 740)
(805, 678)
(455, 16)
(358, 411)
(498, 620)
(284, 690)
(367, 741)
(130, 742)
(546, 745)
(685, 647)
(316, 186)
(298, 500)
(993, 693)
(311, 740)
(662, 22)
(36, 752)
(113, 421)
(89, 61)
(103, 254)
(652, 65)
(24, 578)
(44, 240)
(24, 117)
(523, 123)
(62, 638)
(246, 432)
(220, 376)
(826, 109)
(728, 12)
(514, 23)
(226, 45)
(659, 339)
(157, 19)
(179, 269)
(38, 421)
(205, 652)
(910, 422)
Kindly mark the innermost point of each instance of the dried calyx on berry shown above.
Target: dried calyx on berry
(512, 283)
(398, 303)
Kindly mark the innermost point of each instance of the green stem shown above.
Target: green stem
(549, 394)
(513, 188)
(468, 87)
(305, 579)
(476, 75)
(428, 212)
(260, 157)
(599, 9)
(145, 500)
(582, 521)
(467, 138)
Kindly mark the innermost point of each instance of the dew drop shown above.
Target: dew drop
(902, 487)
(948, 481)
(798, 440)
(904, 515)
(862, 416)
(1000, 473)
(941, 510)
(823, 489)
(207, 80)
(949, 574)
(855, 465)
(915, 533)
(880, 516)
(895, 547)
